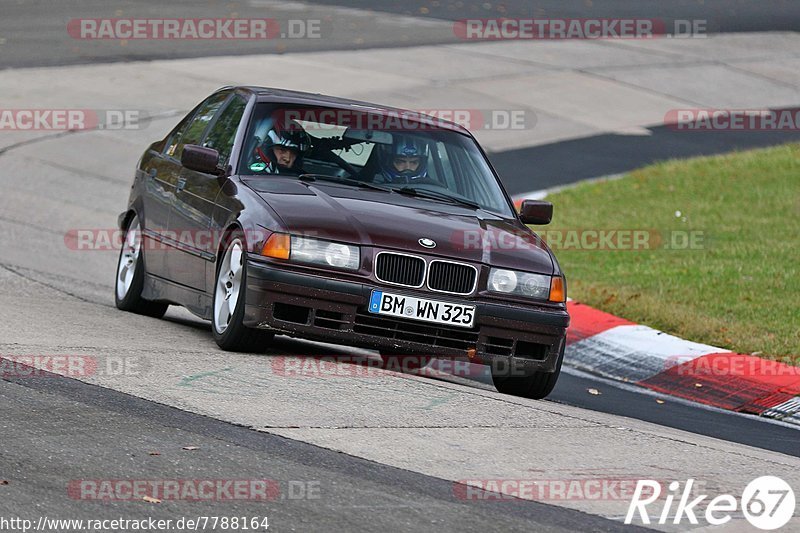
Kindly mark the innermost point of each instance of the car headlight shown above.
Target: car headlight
(525, 284)
(315, 251)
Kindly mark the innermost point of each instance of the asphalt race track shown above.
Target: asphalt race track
(354, 451)
(32, 32)
(609, 154)
(117, 429)
(721, 15)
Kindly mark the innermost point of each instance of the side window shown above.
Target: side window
(223, 132)
(177, 133)
(194, 129)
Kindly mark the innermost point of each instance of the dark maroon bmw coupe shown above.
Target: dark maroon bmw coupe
(269, 211)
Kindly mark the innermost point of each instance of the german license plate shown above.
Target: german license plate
(404, 306)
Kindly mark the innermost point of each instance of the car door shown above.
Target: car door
(161, 173)
(160, 180)
(195, 193)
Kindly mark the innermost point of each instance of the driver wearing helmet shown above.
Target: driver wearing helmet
(405, 161)
(283, 149)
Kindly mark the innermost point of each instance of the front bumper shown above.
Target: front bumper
(315, 307)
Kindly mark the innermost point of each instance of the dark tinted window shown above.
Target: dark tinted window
(194, 129)
(361, 145)
(172, 142)
(223, 133)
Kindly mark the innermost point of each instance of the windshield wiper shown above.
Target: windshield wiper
(344, 181)
(408, 191)
(435, 195)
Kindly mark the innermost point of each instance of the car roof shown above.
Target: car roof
(270, 94)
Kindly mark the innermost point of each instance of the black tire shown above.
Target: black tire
(536, 386)
(133, 301)
(236, 337)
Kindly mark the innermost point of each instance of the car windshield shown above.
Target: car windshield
(402, 152)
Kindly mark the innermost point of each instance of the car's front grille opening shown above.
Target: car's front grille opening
(330, 319)
(531, 350)
(498, 346)
(290, 313)
(430, 334)
(457, 278)
(400, 269)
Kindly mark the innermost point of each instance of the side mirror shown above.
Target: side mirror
(200, 158)
(536, 212)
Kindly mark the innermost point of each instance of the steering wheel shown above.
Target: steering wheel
(350, 169)
(320, 152)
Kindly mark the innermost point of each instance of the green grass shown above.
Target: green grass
(740, 290)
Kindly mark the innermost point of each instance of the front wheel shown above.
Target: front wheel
(230, 287)
(536, 386)
(130, 276)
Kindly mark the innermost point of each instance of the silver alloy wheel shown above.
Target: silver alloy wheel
(229, 281)
(128, 259)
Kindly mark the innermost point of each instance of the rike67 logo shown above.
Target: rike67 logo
(768, 503)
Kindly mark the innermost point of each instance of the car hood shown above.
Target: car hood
(393, 221)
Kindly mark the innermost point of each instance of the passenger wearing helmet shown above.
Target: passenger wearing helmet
(283, 149)
(405, 161)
